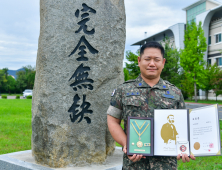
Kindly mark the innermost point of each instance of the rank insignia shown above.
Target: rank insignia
(168, 96)
(133, 94)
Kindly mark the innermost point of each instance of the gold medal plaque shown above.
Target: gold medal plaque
(140, 133)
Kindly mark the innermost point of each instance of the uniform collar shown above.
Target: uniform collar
(141, 83)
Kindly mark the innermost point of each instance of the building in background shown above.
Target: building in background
(209, 12)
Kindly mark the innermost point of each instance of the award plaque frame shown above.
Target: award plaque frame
(139, 147)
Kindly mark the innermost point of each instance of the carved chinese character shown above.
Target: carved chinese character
(81, 78)
(82, 23)
(82, 49)
(79, 111)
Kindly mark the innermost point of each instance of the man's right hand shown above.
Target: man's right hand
(135, 157)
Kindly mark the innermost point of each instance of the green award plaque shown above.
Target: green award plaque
(140, 136)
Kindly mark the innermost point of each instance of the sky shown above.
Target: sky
(20, 26)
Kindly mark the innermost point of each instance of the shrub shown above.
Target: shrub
(17, 97)
(29, 97)
(4, 97)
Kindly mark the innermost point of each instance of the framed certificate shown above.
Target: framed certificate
(199, 127)
(140, 136)
(205, 131)
(170, 126)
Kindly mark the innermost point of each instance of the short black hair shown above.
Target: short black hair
(152, 44)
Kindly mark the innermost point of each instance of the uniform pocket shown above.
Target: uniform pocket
(166, 103)
(132, 107)
(132, 102)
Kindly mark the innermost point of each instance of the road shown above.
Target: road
(193, 105)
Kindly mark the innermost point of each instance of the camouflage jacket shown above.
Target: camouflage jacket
(137, 98)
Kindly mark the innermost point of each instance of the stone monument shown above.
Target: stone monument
(79, 63)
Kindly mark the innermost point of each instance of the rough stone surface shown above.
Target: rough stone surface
(56, 140)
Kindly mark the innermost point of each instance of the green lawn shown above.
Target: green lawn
(15, 125)
(204, 101)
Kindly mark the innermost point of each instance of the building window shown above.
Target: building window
(218, 38)
(209, 62)
(219, 61)
(209, 40)
(193, 12)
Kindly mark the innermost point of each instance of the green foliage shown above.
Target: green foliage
(170, 71)
(29, 97)
(10, 85)
(217, 83)
(2, 78)
(191, 58)
(126, 74)
(25, 78)
(18, 97)
(132, 66)
(187, 85)
(207, 81)
(4, 97)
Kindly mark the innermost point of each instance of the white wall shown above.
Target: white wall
(210, 5)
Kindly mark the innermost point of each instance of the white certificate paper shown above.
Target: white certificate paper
(170, 126)
(204, 131)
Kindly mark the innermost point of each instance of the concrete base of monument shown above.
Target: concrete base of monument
(24, 161)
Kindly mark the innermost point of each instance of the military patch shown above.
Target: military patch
(133, 94)
(168, 96)
(140, 84)
(164, 86)
(113, 92)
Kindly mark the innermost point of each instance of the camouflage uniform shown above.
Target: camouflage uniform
(137, 98)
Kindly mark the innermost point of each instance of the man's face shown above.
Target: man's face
(151, 63)
(171, 119)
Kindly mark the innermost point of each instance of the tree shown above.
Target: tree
(217, 83)
(5, 72)
(187, 85)
(2, 78)
(132, 67)
(170, 71)
(126, 74)
(25, 78)
(191, 58)
(207, 80)
(10, 85)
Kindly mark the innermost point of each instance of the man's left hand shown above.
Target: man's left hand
(185, 157)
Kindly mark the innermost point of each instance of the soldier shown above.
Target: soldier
(139, 98)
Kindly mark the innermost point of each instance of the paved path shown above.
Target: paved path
(196, 105)
(12, 97)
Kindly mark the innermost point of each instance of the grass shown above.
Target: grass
(204, 101)
(15, 125)
(10, 94)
